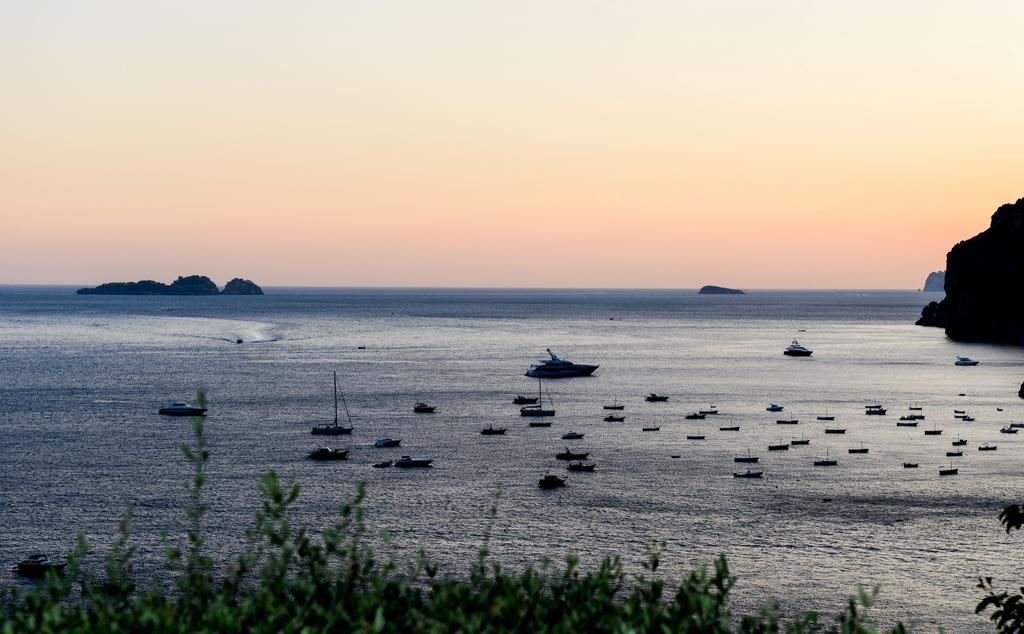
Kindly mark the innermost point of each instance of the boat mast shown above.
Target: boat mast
(335, 399)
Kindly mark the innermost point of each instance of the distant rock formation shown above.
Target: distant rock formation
(985, 284)
(190, 285)
(239, 286)
(719, 290)
(936, 282)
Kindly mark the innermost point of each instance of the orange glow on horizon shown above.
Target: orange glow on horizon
(799, 145)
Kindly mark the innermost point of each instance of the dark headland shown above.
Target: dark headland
(936, 282)
(190, 285)
(985, 284)
(719, 290)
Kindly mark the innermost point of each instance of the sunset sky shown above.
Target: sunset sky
(474, 143)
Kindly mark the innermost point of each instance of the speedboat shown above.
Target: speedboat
(524, 400)
(965, 361)
(655, 398)
(1008, 429)
(572, 435)
(696, 416)
(556, 368)
(491, 431)
(906, 422)
(796, 350)
(408, 462)
(387, 442)
(423, 408)
(749, 473)
(326, 453)
(967, 419)
(612, 418)
(909, 465)
(580, 466)
(650, 429)
(1017, 425)
(772, 407)
(987, 447)
(569, 455)
(181, 408)
(38, 564)
(551, 482)
(709, 411)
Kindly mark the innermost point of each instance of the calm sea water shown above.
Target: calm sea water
(81, 379)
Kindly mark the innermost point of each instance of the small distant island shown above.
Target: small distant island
(936, 282)
(185, 285)
(719, 290)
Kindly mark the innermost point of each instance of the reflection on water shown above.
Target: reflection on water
(81, 379)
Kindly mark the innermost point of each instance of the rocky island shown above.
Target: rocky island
(936, 282)
(719, 290)
(190, 285)
(985, 284)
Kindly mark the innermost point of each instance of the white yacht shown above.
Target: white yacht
(797, 350)
(965, 361)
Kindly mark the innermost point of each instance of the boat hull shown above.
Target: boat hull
(331, 430)
(183, 411)
(568, 372)
(797, 353)
(536, 412)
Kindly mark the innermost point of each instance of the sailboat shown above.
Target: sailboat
(826, 416)
(335, 429)
(538, 409)
(826, 461)
(615, 404)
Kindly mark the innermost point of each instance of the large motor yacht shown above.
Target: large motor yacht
(557, 368)
(796, 350)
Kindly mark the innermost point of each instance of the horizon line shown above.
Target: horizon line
(515, 288)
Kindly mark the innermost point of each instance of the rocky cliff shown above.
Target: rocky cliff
(190, 285)
(985, 283)
(936, 282)
(239, 286)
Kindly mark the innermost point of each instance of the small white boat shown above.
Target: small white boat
(965, 361)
